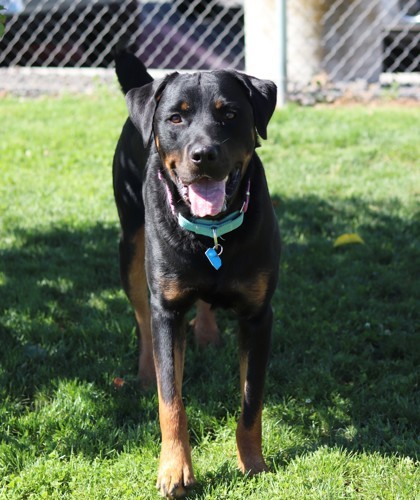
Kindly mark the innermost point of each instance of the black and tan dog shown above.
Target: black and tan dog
(197, 227)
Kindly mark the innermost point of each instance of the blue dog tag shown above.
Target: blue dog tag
(214, 258)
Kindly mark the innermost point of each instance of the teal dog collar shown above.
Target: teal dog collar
(213, 229)
(210, 227)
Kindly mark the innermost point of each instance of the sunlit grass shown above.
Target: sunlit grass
(342, 413)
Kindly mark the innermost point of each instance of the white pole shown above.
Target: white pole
(282, 85)
(265, 42)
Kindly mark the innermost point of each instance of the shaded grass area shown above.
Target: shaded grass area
(341, 418)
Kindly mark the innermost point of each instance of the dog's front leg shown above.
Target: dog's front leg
(175, 469)
(254, 347)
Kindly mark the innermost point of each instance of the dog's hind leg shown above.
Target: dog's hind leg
(133, 277)
(204, 324)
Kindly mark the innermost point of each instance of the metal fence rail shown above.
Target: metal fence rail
(342, 39)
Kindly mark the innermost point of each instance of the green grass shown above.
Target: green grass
(341, 418)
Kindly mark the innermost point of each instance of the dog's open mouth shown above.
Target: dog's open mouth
(208, 197)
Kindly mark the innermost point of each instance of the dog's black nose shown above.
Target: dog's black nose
(204, 155)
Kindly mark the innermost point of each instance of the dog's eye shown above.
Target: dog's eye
(175, 118)
(230, 115)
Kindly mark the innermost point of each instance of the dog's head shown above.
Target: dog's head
(205, 127)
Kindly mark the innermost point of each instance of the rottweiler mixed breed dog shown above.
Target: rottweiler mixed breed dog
(197, 227)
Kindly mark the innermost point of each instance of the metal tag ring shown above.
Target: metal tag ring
(218, 249)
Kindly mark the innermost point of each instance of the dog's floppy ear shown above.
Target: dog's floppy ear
(263, 97)
(142, 103)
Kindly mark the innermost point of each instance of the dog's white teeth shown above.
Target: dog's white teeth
(184, 192)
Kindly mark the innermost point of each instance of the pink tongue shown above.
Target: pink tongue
(207, 197)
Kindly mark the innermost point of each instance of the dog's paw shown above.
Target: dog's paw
(249, 449)
(175, 475)
(252, 464)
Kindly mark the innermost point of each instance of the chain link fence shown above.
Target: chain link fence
(79, 33)
(354, 39)
(344, 40)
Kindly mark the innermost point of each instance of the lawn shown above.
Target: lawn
(342, 413)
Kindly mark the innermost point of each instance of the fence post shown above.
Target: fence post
(305, 38)
(265, 42)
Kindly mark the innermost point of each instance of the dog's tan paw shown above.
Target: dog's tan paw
(175, 471)
(249, 448)
(252, 464)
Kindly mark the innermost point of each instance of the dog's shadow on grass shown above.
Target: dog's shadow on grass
(61, 306)
(343, 361)
(345, 346)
